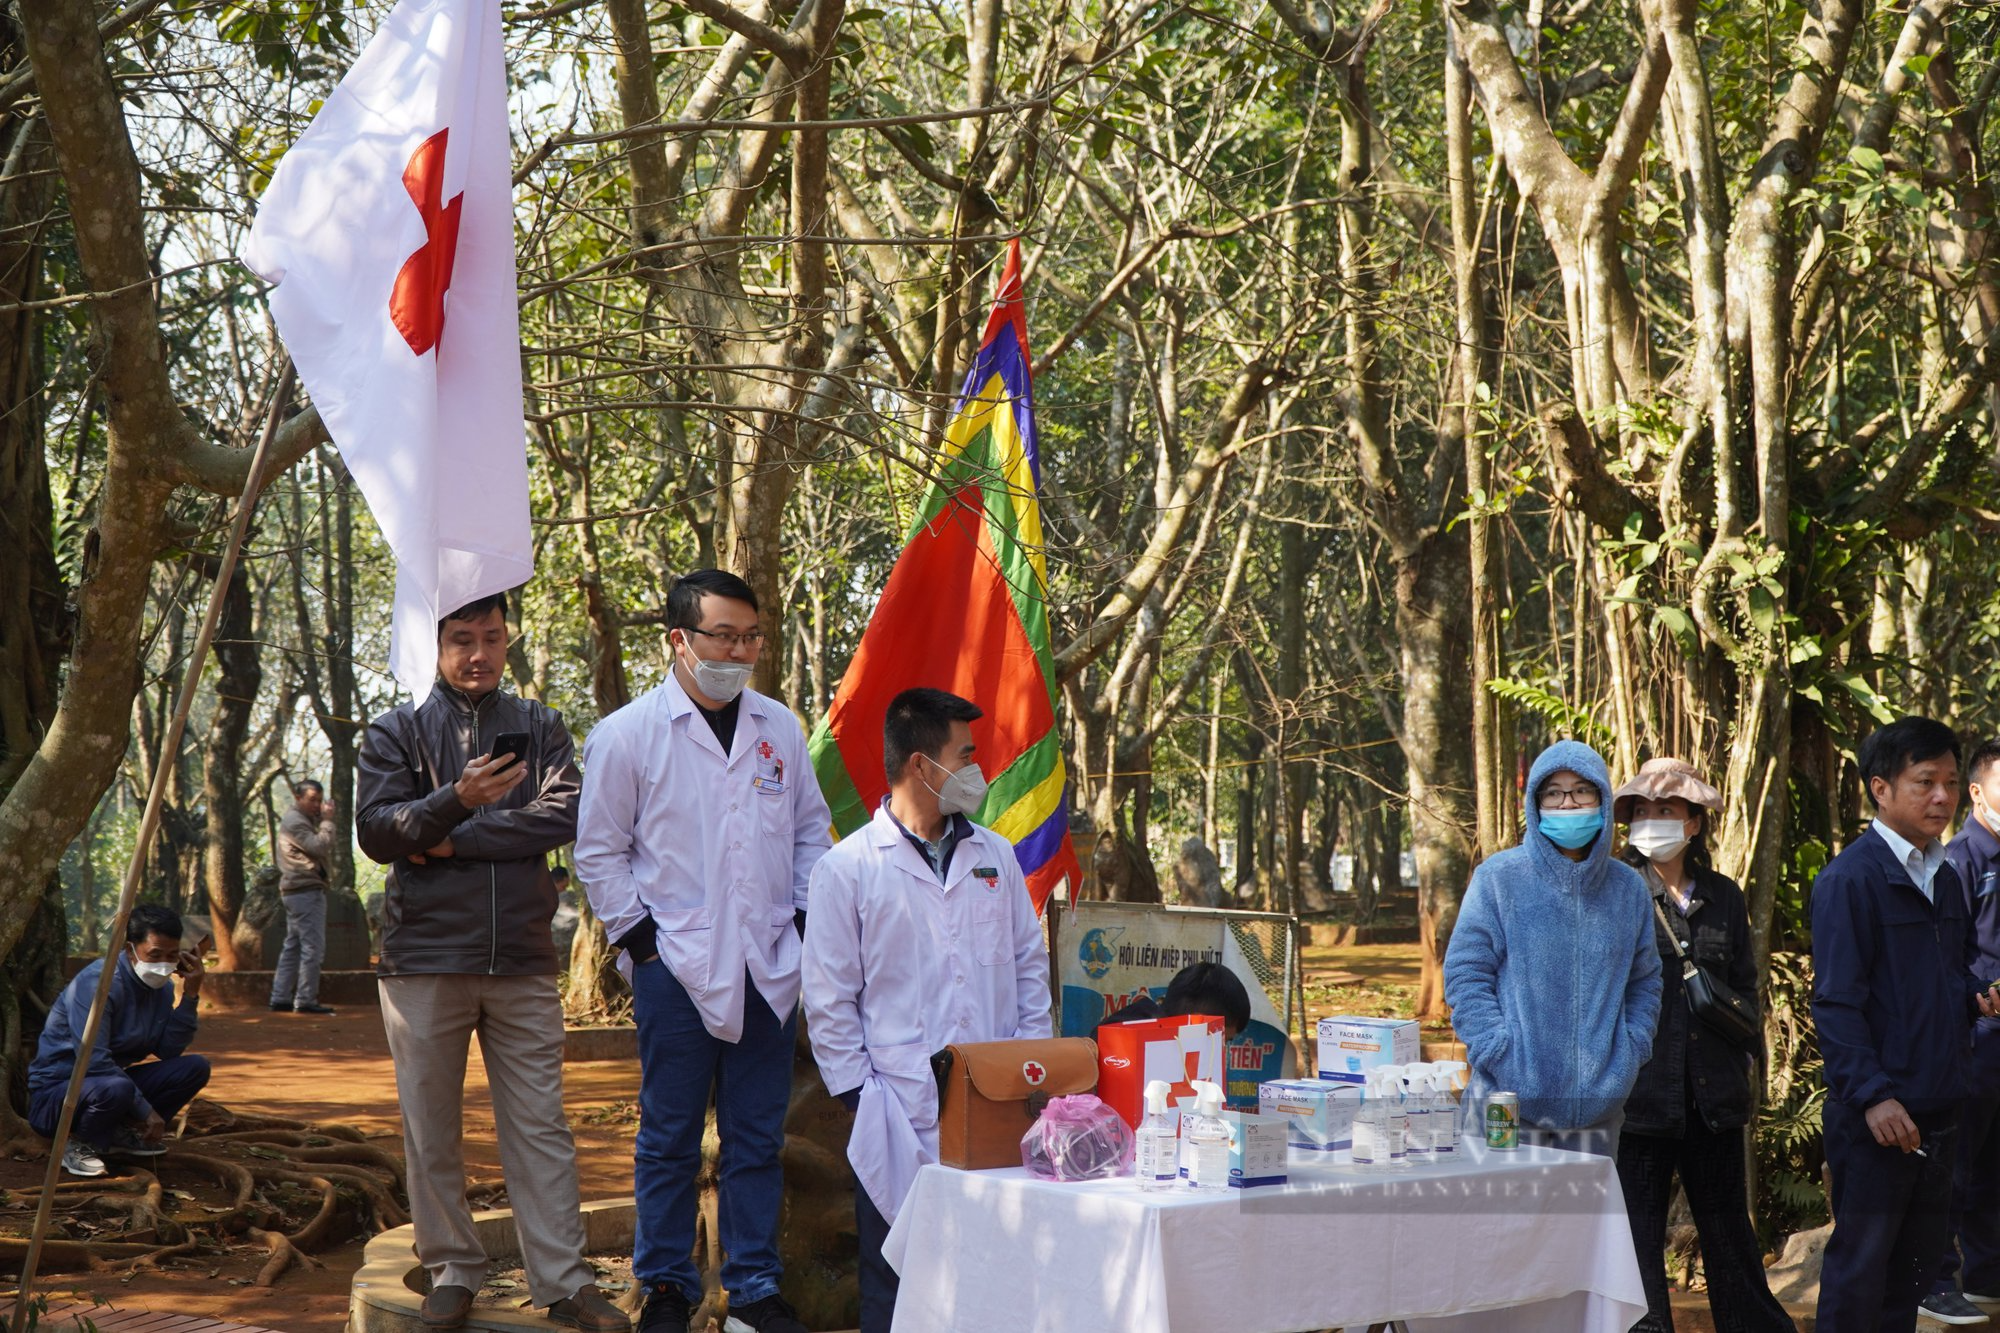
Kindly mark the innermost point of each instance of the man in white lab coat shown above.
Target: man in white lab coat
(700, 825)
(922, 935)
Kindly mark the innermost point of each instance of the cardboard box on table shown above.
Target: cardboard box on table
(1318, 1112)
(1256, 1149)
(1350, 1046)
(1177, 1051)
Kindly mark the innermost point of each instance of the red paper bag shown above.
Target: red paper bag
(1176, 1051)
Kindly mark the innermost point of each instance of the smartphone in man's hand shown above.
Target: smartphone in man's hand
(514, 743)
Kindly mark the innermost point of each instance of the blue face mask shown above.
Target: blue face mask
(1572, 828)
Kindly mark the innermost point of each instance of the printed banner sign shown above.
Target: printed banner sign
(1113, 953)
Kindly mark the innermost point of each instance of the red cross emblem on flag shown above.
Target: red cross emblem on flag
(1035, 1073)
(416, 304)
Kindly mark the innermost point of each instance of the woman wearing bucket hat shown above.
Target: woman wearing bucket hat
(1688, 1109)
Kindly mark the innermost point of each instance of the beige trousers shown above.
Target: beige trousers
(430, 1020)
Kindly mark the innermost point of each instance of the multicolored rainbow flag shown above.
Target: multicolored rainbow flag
(966, 610)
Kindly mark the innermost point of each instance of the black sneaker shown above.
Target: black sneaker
(278, 1008)
(1951, 1308)
(125, 1143)
(666, 1311)
(311, 1009)
(770, 1315)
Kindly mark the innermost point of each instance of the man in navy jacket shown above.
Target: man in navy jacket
(1894, 1003)
(138, 1075)
(1975, 1204)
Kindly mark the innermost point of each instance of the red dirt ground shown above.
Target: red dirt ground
(338, 1070)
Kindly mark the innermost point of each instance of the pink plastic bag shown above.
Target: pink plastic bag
(1078, 1138)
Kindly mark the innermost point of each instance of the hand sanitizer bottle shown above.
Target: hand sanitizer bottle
(1398, 1118)
(1444, 1116)
(1207, 1140)
(1455, 1076)
(1370, 1149)
(1416, 1091)
(1157, 1156)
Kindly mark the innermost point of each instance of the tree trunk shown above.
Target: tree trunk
(342, 725)
(152, 448)
(241, 674)
(1432, 610)
(33, 619)
(1494, 798)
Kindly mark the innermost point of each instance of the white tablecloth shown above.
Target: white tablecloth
(1533, 1241)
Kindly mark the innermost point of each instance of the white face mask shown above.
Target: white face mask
(962, 793)
(720, 681)
(1658, 839)
(154, 975)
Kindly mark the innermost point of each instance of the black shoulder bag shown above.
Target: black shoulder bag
(1715, 1004)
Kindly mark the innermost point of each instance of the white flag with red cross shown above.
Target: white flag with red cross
(388, 230)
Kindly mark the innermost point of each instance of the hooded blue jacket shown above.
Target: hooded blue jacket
(1553, 975)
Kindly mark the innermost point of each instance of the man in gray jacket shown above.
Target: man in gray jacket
(465, 827)
(305, 853)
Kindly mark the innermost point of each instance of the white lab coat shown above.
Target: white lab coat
(717, 848)
(899, 966)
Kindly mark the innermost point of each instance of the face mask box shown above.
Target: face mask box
(1349, 1046)
(1256, 1149)
(1177, 1051)
(1318, 1113)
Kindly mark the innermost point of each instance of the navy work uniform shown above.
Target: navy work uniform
(1894, 1004)
(1975, 1190)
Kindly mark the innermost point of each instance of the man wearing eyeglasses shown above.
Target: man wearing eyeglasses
(1552, 973)
(700, 825)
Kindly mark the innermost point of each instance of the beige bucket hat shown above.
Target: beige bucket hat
(1663, 779)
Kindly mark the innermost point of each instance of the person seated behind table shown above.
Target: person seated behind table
(1208, 989)
(125, 1104)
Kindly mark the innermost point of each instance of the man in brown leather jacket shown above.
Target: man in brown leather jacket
(466, 947)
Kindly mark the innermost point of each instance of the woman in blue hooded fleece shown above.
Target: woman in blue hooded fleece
(1553, 975)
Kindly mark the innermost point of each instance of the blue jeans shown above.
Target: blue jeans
(296, 980)
(752, 1078)
(110, 1102)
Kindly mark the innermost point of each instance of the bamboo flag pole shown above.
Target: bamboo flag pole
(149, 825)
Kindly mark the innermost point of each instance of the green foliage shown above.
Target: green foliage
(1788, 1142)
(1564, 718)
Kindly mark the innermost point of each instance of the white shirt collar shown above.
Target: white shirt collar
(1921, 863)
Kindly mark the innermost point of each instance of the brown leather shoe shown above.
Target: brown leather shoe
(589, 1311)
(447, 1307)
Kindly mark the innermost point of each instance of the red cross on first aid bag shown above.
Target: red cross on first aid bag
(991, 1092)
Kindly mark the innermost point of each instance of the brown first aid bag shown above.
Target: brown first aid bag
(990, 1092)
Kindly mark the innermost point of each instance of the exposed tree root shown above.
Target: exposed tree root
(355, 1154)
(284, 1254)
(260, 1163)
(74, 1256)
(159, 1256)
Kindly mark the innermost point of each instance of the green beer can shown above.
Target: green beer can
(1503, 1121)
